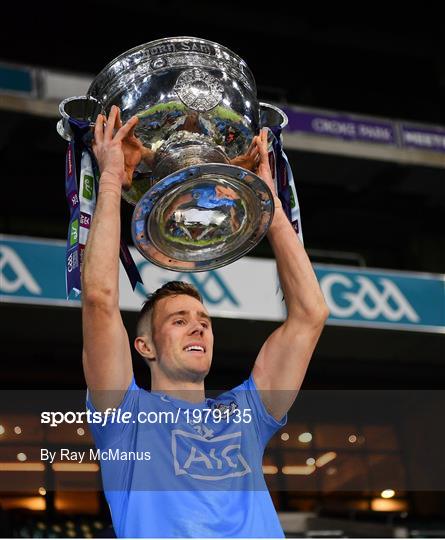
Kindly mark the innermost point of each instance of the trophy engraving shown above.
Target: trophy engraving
(199, 90)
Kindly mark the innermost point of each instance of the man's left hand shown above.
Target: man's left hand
(263, 168)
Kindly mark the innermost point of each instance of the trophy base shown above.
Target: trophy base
(202, 217)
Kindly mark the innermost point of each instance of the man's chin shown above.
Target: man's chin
(196, 369)
(197, 376)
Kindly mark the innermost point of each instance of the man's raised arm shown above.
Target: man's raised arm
(281, 364)
(106, 350)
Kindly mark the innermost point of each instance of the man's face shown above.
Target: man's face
(183, 338)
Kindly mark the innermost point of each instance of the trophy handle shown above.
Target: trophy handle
(82, 108)
(272, 116)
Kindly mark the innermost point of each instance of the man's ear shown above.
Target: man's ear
(145, 347)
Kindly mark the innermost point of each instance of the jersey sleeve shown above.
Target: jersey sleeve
(108, 433)
(265, 424)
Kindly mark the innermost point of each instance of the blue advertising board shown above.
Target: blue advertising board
(32, 271)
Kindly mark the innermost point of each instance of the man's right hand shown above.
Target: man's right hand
(106, 349)
(118, 151)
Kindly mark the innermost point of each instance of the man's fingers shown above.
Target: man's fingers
(252, 146)
(131, 134)
(126, 128)
(264, 134)
(118, 119)
(254, 152)
(99, 129)
(262, 145)
(111, 122)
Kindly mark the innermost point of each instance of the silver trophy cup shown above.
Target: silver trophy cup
(197, 204)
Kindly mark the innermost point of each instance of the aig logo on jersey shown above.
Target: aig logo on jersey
(208, 459)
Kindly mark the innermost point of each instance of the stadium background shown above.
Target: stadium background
(361, 207)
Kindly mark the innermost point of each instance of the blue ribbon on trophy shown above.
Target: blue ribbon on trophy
(81, 193)
(72, 260)
(275, 120)
(284, 179)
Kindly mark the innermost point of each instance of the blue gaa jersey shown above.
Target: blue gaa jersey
(181, 469)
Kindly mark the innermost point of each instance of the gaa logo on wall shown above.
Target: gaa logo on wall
(32, 272)
(349, 297)
(14, 274)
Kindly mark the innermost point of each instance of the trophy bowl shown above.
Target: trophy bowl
(196, 208)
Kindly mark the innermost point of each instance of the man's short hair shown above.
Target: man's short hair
(172, 288)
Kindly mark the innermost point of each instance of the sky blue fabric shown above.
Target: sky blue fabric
(202, 478)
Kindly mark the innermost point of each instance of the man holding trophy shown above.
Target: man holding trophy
(183, 464)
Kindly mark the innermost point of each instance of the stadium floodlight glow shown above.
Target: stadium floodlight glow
(2, 429)
(387, 493)
(388, 505)
(310, 461)
(17, 430)
(352, 439)
(304, 470)
(21, 456)
(42, 491)
(20, 467)
(285, 436)
(325, 458)
(305, 437)
(80, 431)
(75, 467)
(270, 469)
(31, 503)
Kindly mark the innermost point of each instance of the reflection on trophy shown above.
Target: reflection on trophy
(198, 204)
